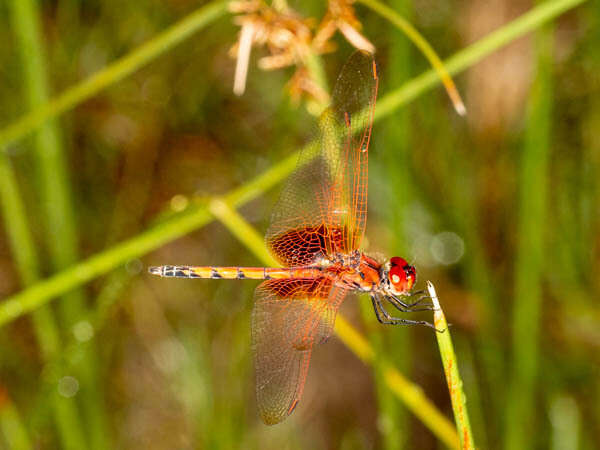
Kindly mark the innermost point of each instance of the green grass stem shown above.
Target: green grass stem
(115, 72)
(411, 394)
(394, 135)
(478, 414)
(198, 216)
(460, 209)
(242, 230)
(530, 260)
(57, 204)
(12, 426)
(475, 52)
(421, 43)
(479, 277)
(46, 329)
(455, 383)
(73, 348)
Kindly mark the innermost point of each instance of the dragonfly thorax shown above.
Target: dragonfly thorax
(351, 260)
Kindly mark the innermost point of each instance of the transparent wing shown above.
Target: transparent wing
(323, 206)
(289, 316)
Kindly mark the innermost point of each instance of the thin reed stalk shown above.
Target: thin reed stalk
(46, 329)
(475, 52)
(411, 394)
(115, 72)
(394, 134)
(455, 383)
(532, 217)
(11, 424)
(421, 43)
(57, 206)
(479, 279)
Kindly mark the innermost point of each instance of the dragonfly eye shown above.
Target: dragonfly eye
(402, 275)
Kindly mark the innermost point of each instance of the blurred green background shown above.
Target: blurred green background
(500, 209)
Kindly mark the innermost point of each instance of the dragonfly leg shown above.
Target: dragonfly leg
(420, 299)
(387, 319)
(409, 307)
(376, 305)
(399, 303)
(382, 315)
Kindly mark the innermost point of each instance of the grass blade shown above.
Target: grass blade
(476, 52)
(393, 420)
(455, 384)
(113, 73)
(411, 394)
(421, 43)
(242, 230)
(532, 216)
(46, 329)
(12, 426)
(57, 204)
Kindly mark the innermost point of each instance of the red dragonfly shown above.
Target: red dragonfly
(315, 234)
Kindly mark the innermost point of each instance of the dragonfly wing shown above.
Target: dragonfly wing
(352, 108)
(289, 316)
(322, 208)
(327, 323)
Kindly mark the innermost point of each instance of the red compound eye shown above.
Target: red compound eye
(397, 261)
(402, 275)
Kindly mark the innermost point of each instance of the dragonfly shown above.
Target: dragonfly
(315, 234)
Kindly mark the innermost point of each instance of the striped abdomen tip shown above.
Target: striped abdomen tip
(156, 270)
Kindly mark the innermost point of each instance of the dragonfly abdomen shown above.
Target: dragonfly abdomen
(234, 273)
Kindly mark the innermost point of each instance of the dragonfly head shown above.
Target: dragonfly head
(401, 276)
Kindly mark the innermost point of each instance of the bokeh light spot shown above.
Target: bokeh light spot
(68, 386)
(447, 248)
(83, 331)
(179, 202)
